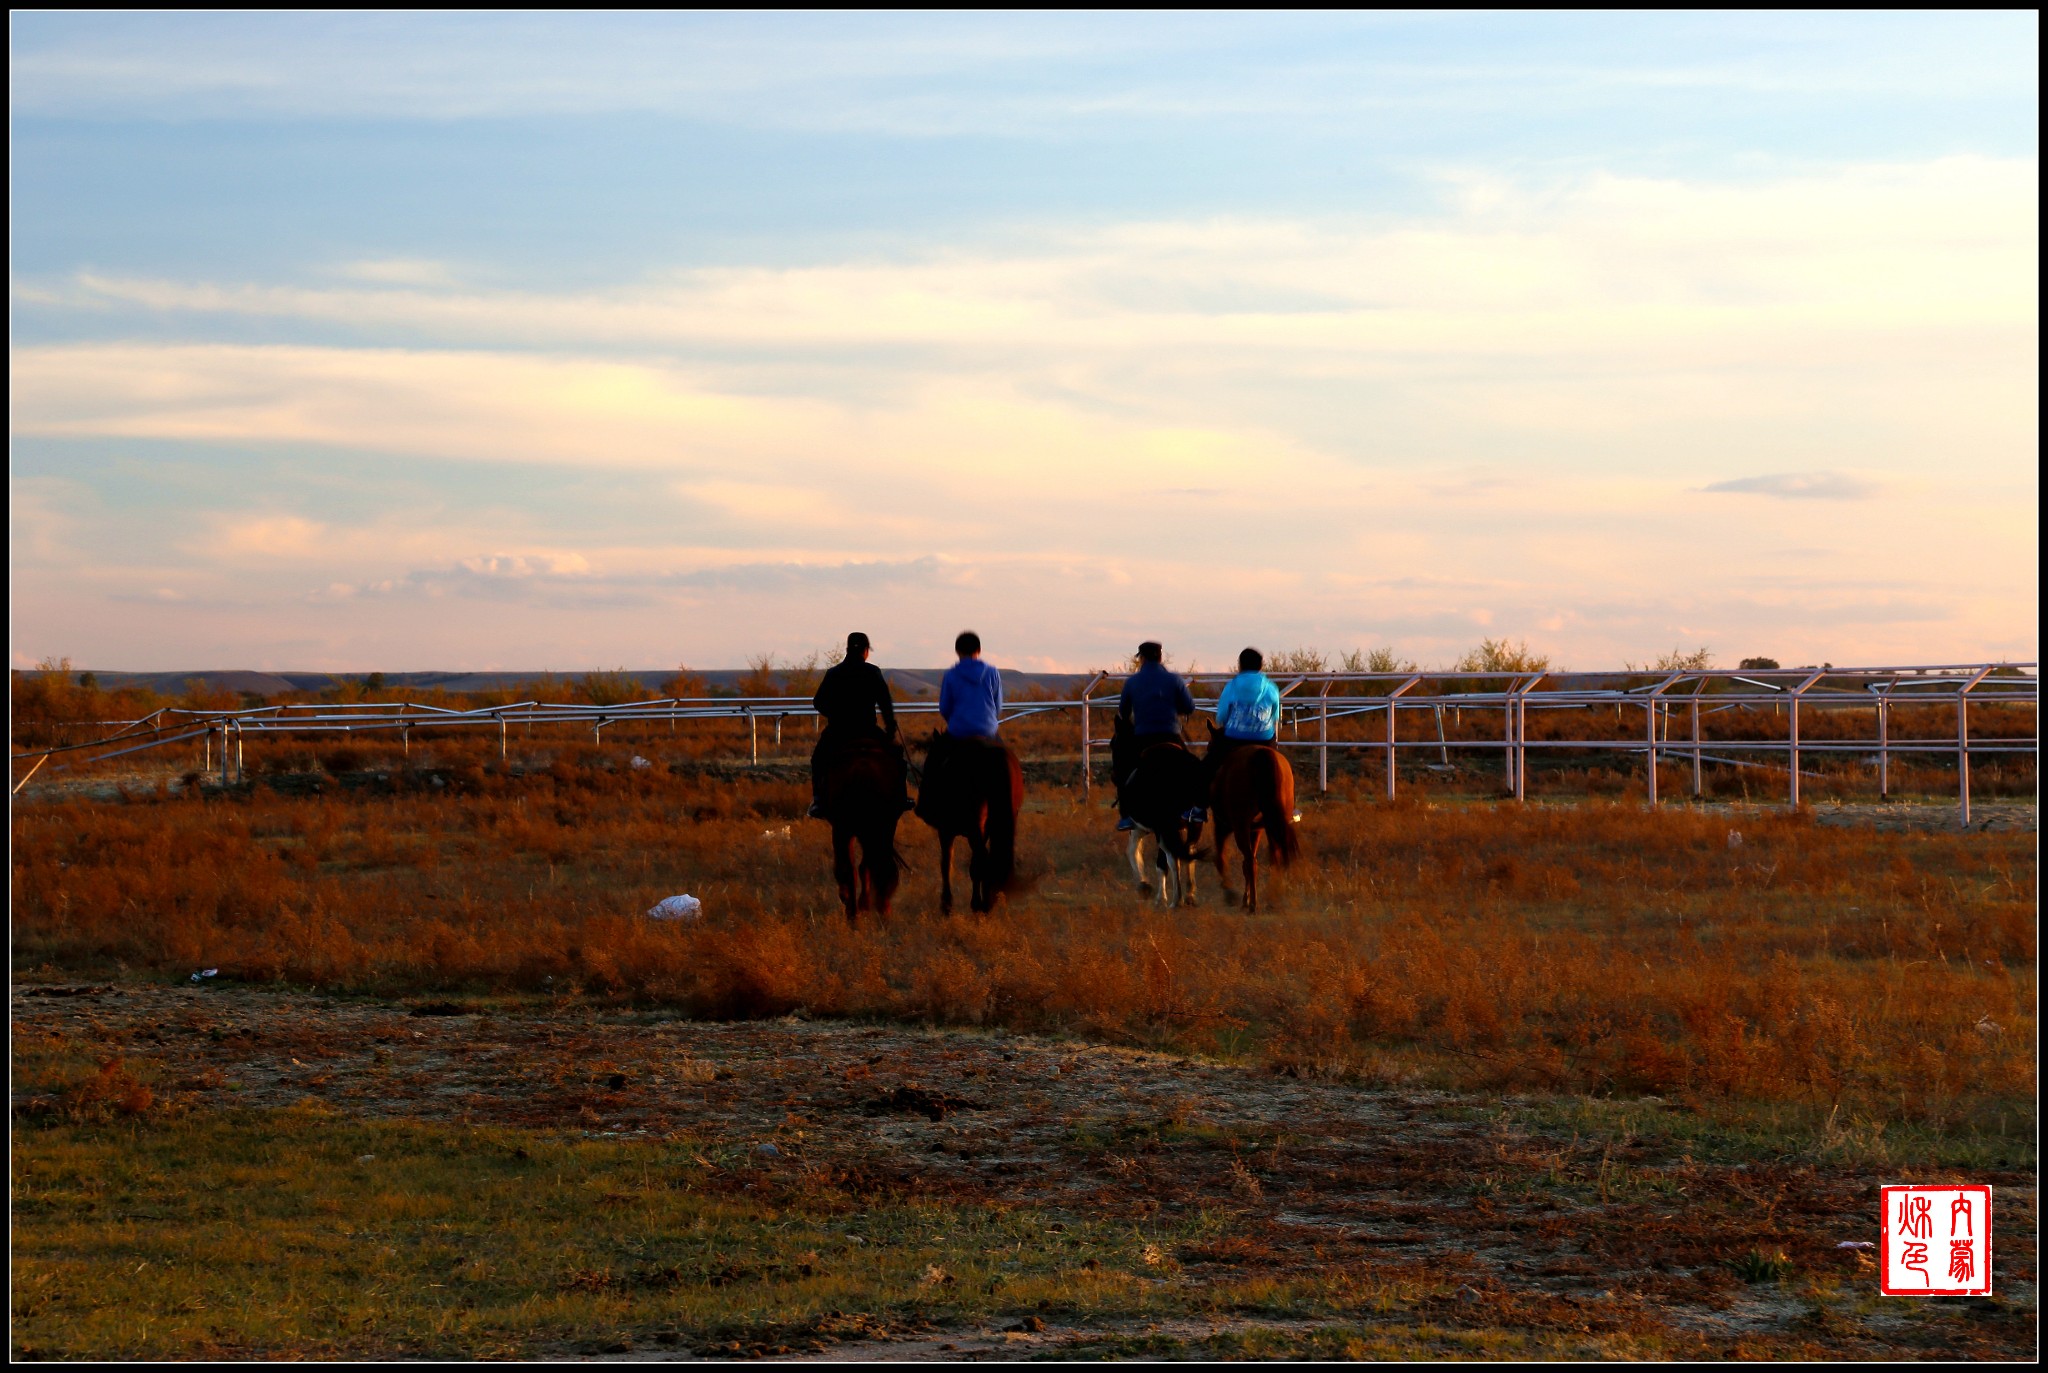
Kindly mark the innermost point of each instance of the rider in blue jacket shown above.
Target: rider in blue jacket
(1149, 711)
(1248, 710)
(971, 704)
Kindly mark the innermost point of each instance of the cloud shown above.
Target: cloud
(1808, 486)
(1632, 272)
(1503, 409)
(929, 74)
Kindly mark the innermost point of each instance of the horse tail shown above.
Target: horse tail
(1005, 798)
(1279, 814)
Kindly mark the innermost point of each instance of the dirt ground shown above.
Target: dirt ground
(1523, 1226)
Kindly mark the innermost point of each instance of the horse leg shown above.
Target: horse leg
(1224, 831)
(1169, 873)
(842, 869)
(980, 899)
(1135, 853)
(1248, 842)
(945, 873)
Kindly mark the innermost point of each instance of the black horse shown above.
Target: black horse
(862, 793)
(1162, 790)
(973, 789)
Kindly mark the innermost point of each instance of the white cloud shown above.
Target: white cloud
(1499, 413)
(1812, 486)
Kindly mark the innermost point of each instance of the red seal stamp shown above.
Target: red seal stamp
(1937, 1242)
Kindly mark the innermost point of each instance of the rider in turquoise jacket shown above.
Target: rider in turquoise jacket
(1248, 710)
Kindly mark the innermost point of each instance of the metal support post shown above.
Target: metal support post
(1652, 749)
(1507, 746)
(1792, 748)
(224, 755)
(1884, 748)
(1087, 780)
(1323, 739)
(1963, 741)
(504, 742)
(1393, 710)
(1963, 753)
(1698, 787)
(1522, 747)
(753, 737)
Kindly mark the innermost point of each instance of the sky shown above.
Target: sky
(558, 341)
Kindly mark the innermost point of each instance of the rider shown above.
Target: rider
(970, 701)
(852, 692)
(1153, 701)
(1248, 710)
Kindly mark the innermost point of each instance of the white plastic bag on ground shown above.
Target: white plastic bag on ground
(639, 762)
(684, 907)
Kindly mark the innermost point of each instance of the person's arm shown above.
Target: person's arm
(885, 702)
(1123, 700)
(948, 698)
(996, 677)
(1184, 700)
(818, 696)
(1223, 703)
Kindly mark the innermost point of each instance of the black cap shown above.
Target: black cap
(856, 642)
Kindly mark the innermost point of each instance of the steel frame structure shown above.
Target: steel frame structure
(1320, 697)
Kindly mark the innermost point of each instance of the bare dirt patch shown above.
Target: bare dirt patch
(1474, 1217)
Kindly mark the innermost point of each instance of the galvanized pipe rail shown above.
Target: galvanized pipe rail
(1323, 696)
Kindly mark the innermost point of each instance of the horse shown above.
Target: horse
(863, 798)
(973, 789)
(1163, 786)
(1252, 794)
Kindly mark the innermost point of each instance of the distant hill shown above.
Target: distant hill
(907, 682)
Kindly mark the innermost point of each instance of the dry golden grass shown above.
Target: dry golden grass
(1593, 948)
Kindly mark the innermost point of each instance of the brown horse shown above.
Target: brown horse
(863, 798)
(973, 789)
(1253, 793)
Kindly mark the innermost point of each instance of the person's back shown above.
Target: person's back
(852, 694)
(850, 697)
(970, 705)
(1153, 700)
(1248, 708)
(971, 693)
(1247, 711)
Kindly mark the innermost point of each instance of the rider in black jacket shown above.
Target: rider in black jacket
(851, 695)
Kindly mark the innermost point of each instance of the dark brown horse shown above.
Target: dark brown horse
(1252, 794)
(1161, 790)
(973, 789)
(863, 798)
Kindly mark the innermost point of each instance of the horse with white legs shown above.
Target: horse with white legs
(1163, 796)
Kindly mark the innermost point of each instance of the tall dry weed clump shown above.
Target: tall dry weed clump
(1595, 948)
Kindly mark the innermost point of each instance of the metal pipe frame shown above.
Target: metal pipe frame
(1338, 696)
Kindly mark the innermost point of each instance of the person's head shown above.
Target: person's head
(1151, 652)
(968, 644)
(857, 646)
(1251, 660)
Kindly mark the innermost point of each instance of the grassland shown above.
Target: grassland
(1468, 1036)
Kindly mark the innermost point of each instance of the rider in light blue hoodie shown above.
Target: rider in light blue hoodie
(1248, 709)
(971, 704)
